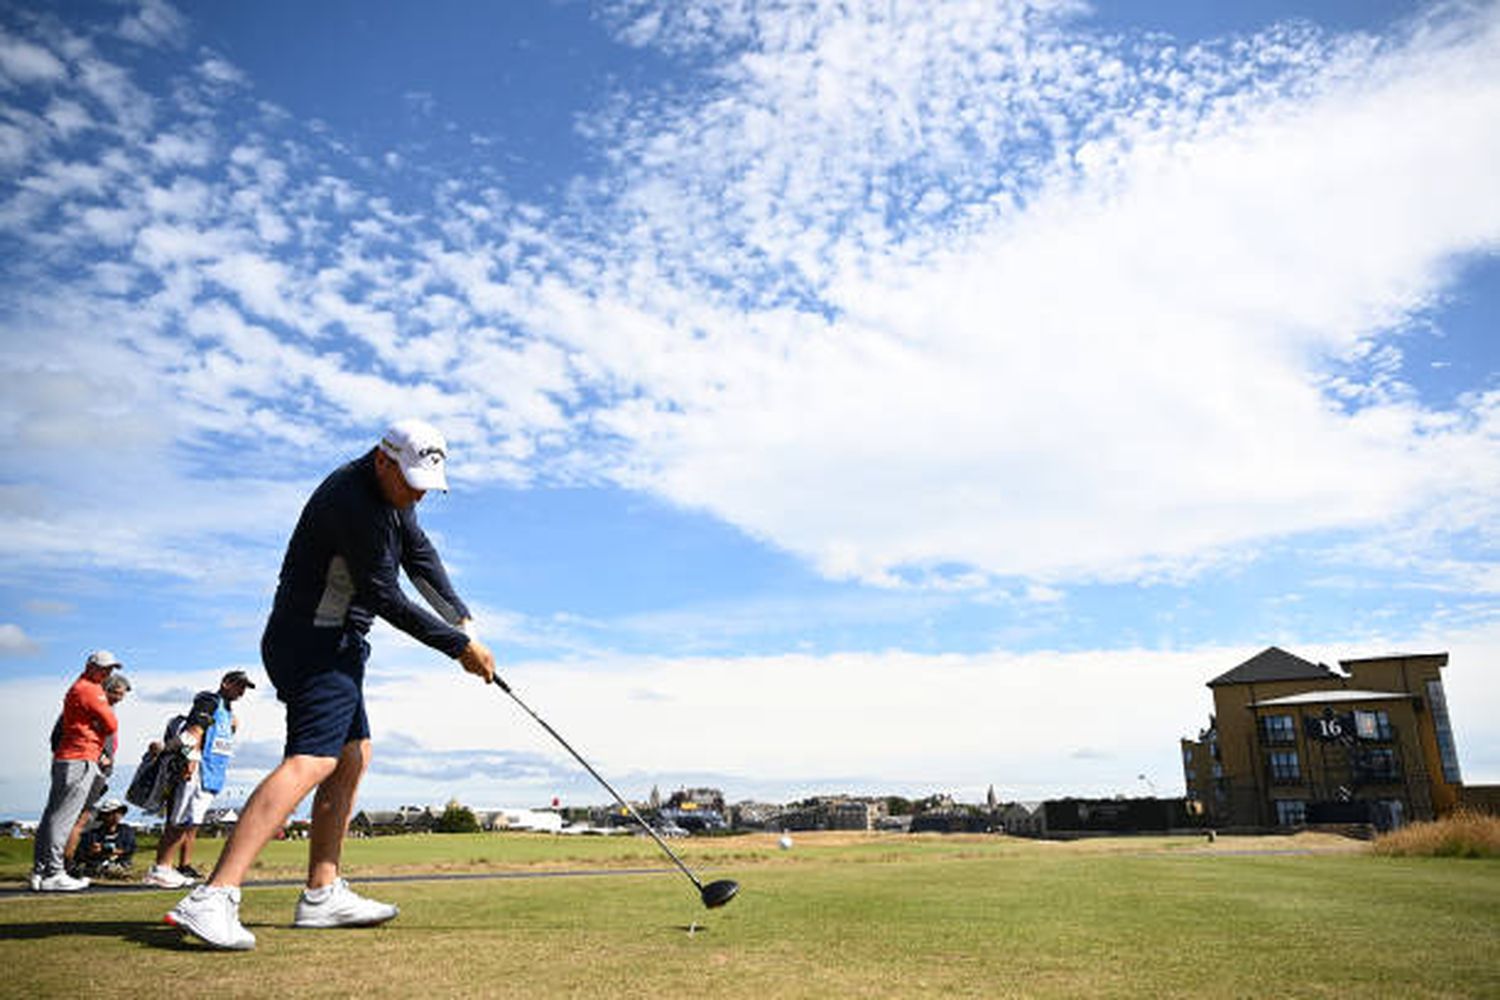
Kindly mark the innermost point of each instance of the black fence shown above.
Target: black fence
(1118, 815)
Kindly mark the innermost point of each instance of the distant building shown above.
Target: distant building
(749, 815)
(832, 812)
(537, 820)
(1020, 819)
(384, 822)
(693, 818)
(694, 798)
(1292, 742)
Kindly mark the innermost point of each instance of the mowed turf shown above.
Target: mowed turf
(837, 915)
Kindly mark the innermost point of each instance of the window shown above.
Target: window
(1447, 751)
(1277, 729)
(1291, 812)
(1373, 725)
(1284, 766)
(1187, 758)
(1379, 765)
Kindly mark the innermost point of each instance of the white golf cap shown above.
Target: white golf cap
(103, 658)
(420, 451)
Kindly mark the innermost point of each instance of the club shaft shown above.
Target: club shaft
(600, 778)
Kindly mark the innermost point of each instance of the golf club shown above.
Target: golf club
(715, 894)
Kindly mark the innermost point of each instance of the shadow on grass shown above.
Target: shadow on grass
(150, 935)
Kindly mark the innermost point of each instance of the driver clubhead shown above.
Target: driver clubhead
(716, 894)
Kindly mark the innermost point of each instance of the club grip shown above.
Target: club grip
(500, 683)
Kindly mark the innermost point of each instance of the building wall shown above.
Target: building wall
(1245, 788)
(1418, 675)
(1327, 772)
(1480, 798)
(1248, 792)
(1202, 774)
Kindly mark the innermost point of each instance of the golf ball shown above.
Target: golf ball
(785, 842)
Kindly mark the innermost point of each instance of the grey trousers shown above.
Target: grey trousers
(72, 780)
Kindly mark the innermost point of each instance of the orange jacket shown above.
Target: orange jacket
(88, 719)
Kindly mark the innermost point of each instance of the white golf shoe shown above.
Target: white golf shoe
(337, 905)
(61, 882)
(212, 913)
(166, 878)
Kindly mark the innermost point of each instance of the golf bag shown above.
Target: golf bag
(160, 771)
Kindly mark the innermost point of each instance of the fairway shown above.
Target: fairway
(837, 915)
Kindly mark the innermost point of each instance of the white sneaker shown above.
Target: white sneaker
(337, 905)
(212, 913)
(166, 878)
(36, 882)
(62, 882)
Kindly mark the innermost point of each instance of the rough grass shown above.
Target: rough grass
(1464, 834)
(848, 916)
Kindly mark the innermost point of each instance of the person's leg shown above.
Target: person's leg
(71, 780)
(71, 847)
(270, 804)
(56, 792)
(332, 809)
(171, 838)
(328, 901)
(178, 826)
(185, 849)
(96, 792)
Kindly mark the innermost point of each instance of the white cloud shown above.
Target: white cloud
(220, 71)
(26, 63)
(1121, 371)
(130, 108)
(923, 295)
(154, 23)
(68, 117)
(177, 149)
(15, 642)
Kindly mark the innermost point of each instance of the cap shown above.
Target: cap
(420, 451)
(238, 675)
(111, 805)
(103, 658)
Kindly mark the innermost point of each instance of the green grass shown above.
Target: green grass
(873, 916)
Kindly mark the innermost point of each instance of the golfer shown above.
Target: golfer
(340, 571)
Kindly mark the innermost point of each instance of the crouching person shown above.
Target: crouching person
(107, 849)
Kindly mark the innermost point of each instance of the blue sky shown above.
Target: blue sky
(866, 397)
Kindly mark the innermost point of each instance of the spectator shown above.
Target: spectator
(115, 689)
(108, 847)
(87, 721)
(208, 736)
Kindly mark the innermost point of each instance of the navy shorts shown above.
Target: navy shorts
(319, 674)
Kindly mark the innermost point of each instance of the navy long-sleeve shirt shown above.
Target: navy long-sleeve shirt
(340, 569)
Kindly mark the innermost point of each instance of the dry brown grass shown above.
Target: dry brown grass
(1463, 834)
